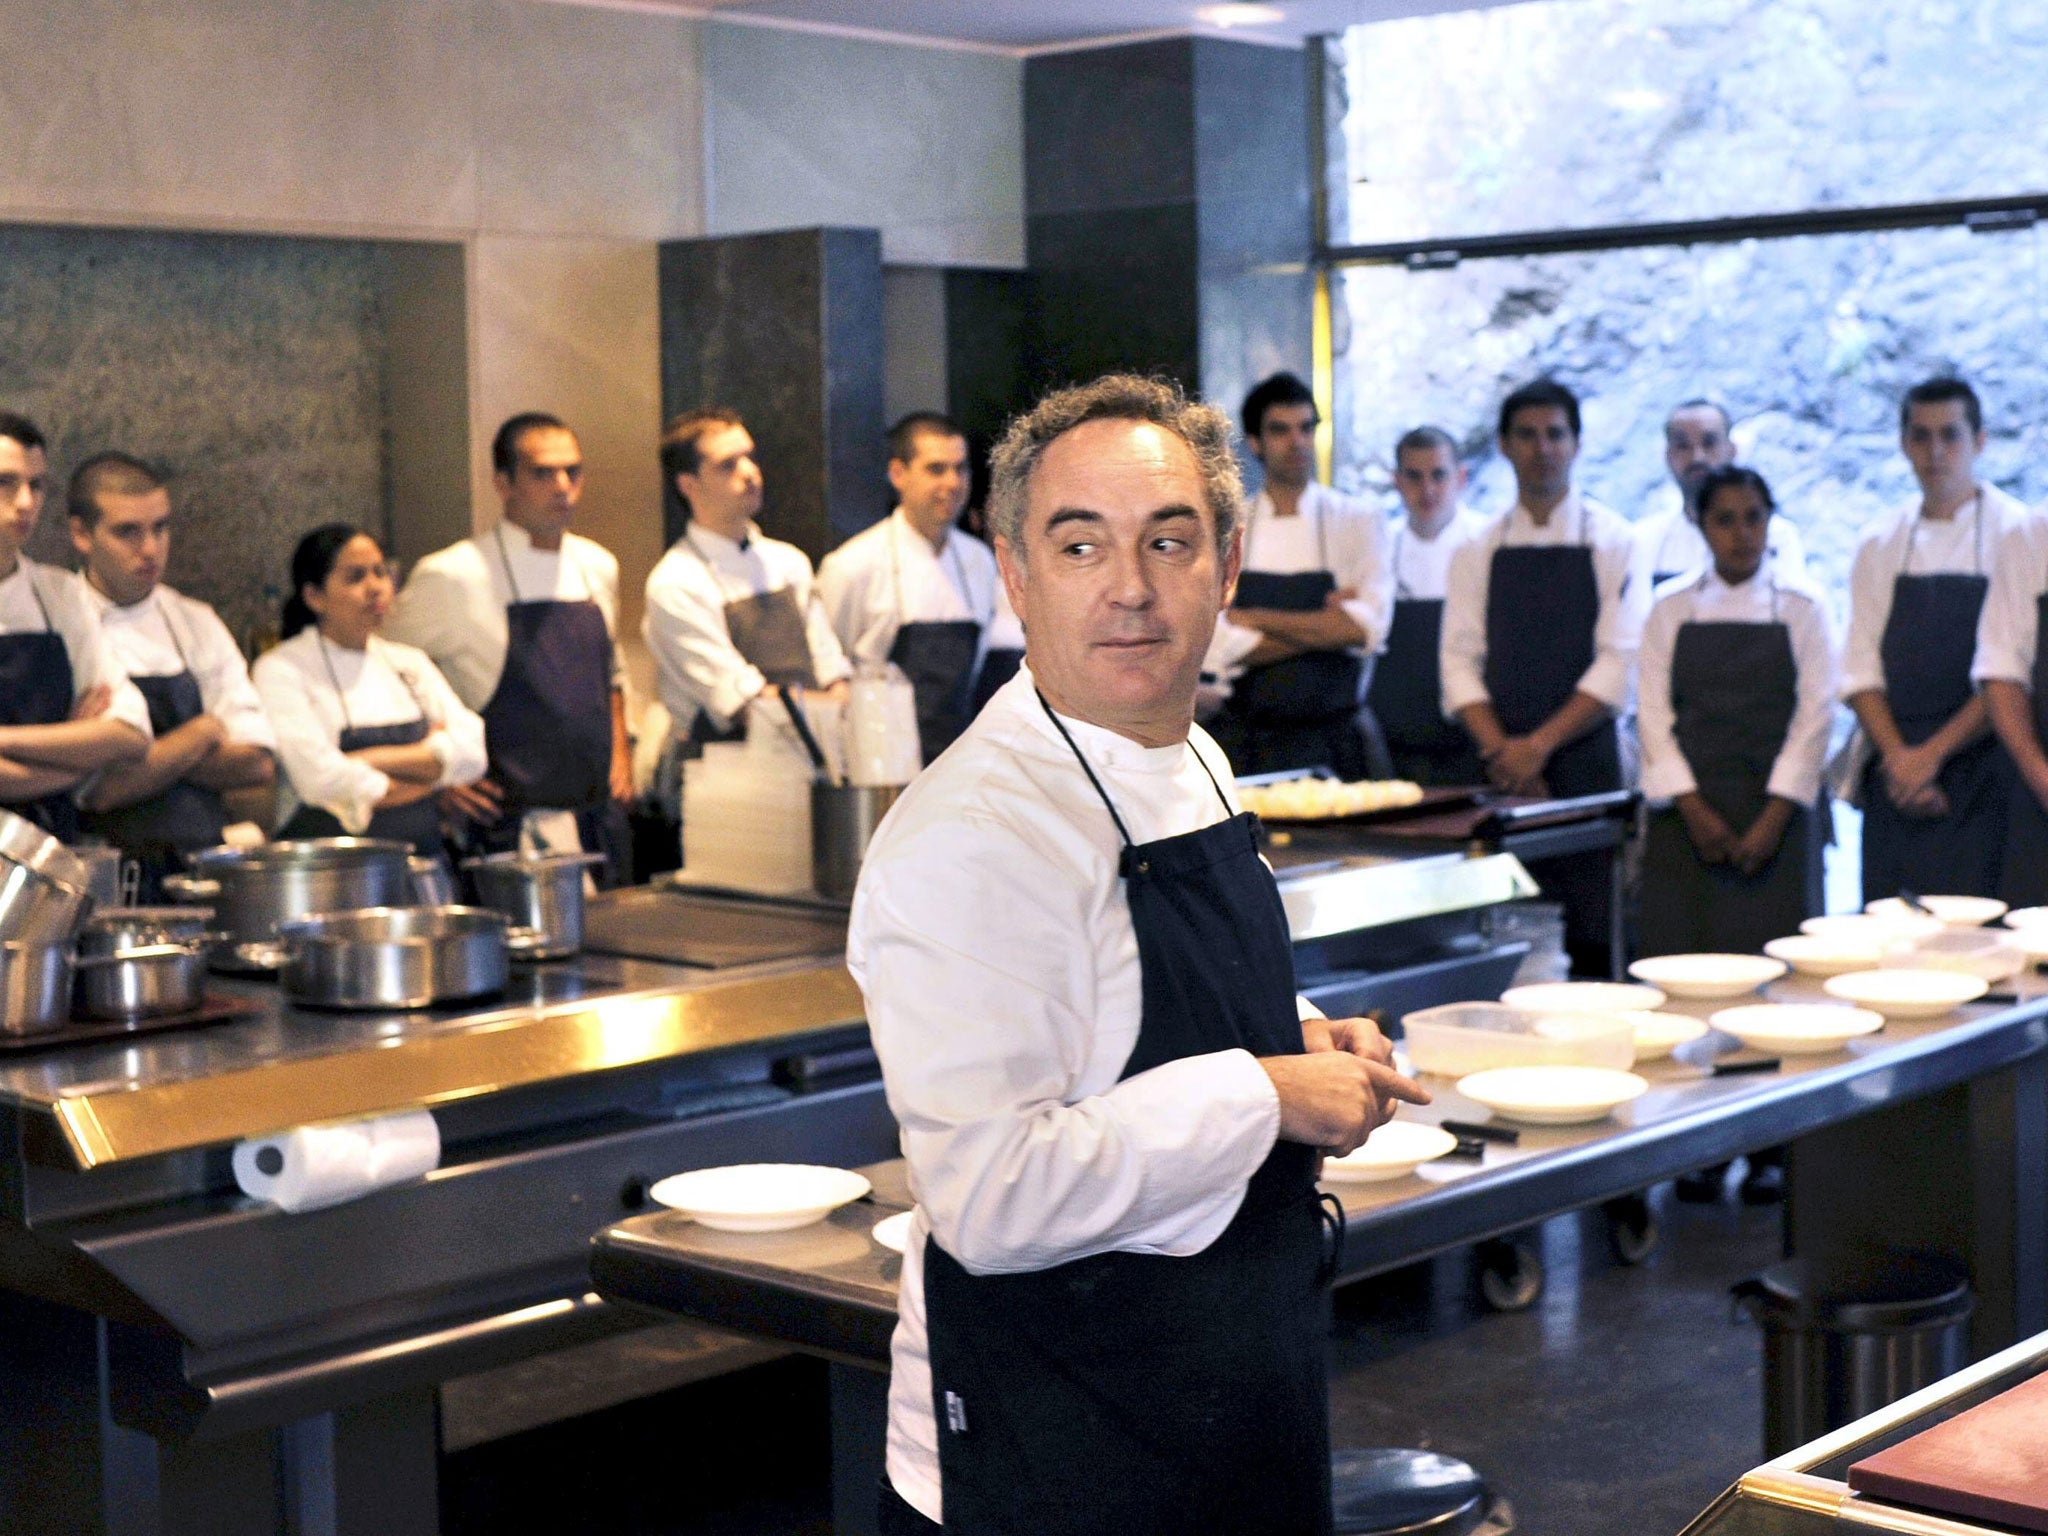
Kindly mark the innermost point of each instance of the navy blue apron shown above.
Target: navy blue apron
(937, 655)
(1542, 606)
(1130, 1393)
(36, 689)
(1406, 693)
(767, 629)
(1734, 690)
(418, 823)
(1929, 641)
(2023, 882)
(183, 817)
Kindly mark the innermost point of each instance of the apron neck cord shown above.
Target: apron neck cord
(505, 560)
(1065, 735)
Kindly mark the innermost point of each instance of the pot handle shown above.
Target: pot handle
(190, 888)
(268, 956)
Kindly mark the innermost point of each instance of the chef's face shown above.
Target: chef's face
(1117, 577)
(1737, 526)
(1541, 445)
(545, 483)
(725, 492)
(126, 550)
(1286, 444)
(24, 475)
(932, 484)
(1942, 447)
(1696, 443)
(352, 602)
(1429, 480)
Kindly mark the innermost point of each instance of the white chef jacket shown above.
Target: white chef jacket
(1967, 543)
(2008, 632)
(384, 684)
(1616, 633)
(1330, 531)
(453, 605)
(1422, 567)
(993, 943)
(697, 667)
(1670, 543)
(168, 633)
(888, 575)
(1772, 595)
(75, 619)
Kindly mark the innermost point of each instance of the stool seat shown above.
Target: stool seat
(1394, 1491)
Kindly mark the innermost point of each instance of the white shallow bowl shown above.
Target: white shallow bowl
(1904, 994)
(1658, 1034)
(2031, 937)
(1582, 997)
(759, 1197)
(1552, 1095)
(1707, 975)
(2027, 917)
(1393, 1151)
(1955, 911)
(893, 1232)
(1817, 954)
(1868, 928)
(1797, 1029)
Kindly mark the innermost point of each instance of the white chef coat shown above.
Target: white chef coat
(384, 684)
(1772, 595)
(75, 619)
(1616, 633)
(697, 667)
(888, 575)
(2008, 635)
(453, 605)
(1422, 567)
(1669, 543)
(1967, 543)
(993, 943)
(168, 633)
(1005, 630)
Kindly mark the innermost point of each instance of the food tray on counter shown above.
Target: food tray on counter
(1434, 801)
(215, 1010)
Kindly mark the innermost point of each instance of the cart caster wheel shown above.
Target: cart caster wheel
(1631, 1228)
(1510, 1275)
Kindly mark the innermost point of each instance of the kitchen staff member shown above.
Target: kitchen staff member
(1935, 794)
(1668, 541)
(1541, 624)
(1312, 606)
(1406, 694)
(210, 732)
(520, 619)
(1737, 701)
(2010, 671)
(731, 613)
(368, 731)
(67, 710)
(1080, 984)
(914, 589)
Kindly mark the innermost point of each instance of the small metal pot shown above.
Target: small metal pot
(44, 887)
(113, 928)
(432, 884)
(256, 890)
(150, 982)
(843, 819)
(394, 957)
(538, 891)
(35, 987)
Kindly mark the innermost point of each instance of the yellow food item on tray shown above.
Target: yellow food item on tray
(1323, 799)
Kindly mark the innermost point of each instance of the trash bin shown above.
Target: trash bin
(1868, 1339)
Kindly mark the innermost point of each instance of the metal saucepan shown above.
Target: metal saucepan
(432, 884)
(148, 982)
(394, 957)
(45, 889)
(112, 928)
(254, 891)
(538, 891)
(35, 986)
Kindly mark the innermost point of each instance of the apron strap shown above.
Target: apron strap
(347, 723)
(505, 560)
(42, 607)
(1121, 830)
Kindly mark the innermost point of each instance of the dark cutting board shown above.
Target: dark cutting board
(710, 932)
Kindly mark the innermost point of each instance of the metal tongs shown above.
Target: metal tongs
(805, 734)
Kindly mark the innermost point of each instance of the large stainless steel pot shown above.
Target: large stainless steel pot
(394, 957)
(148, 982)
(35, 986)
(538, 891)
(256, 890)
(843, 818)
(44, 886)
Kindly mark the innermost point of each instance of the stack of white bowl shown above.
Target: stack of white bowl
(747, 812)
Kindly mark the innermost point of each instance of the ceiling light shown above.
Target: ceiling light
(1239, 14)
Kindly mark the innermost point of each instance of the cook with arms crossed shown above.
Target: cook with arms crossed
(368, 730)
(1080, 983)
(67, 710)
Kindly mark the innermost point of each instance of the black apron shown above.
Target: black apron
(998, 666)
(937, 655)
(1734, 690)
(36, 689)
(419, 823)
(1125, 1394)
(1929, 641)
(1301, 711)
(1406, 694)
(2023, 882)
(1542, 606)
(767, 629)
(181, 818)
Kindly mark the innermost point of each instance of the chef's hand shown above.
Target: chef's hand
(1910, 772)
(481, 802)
(1759, 845)
(1518, 766)
(1362, 1038)
(1333, 1099)
(1712, 838)
(93, 703)
(1932, 802)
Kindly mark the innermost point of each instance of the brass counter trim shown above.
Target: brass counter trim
(111, 1125)
(1834, 1501)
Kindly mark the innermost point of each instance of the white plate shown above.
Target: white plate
(1583, 997)
(1394, 1150)
(2027, 917)
(1904, 994)
(893, 1232)
(759, 1197)
(1818, 954)
(1552, 1095)
(1707, 975)
(1797, 1029)
(1865, 928)
(2032, 938)
(1955, 911)
(1657, 1034)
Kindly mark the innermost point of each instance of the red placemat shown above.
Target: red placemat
(1990, 1463)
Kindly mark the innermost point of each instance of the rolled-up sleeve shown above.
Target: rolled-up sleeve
(309, 748)
(697, 667)
(94, 663)
(1461, 648)
(461, 729)
(2008, 632)
(1870, 609)
(1796, 771)
(828, 657)
(1666, 773)
(224, 681)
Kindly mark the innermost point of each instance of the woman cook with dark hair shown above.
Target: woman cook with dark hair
(368, 730)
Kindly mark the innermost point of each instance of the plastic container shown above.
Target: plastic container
(1461, 1038)
(1992, 954)
(1540, 925)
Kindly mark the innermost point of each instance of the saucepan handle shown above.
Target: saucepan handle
(192, 888)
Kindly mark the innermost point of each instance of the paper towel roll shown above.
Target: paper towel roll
(321, 1165)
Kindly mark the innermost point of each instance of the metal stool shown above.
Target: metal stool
(1394, 1492)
